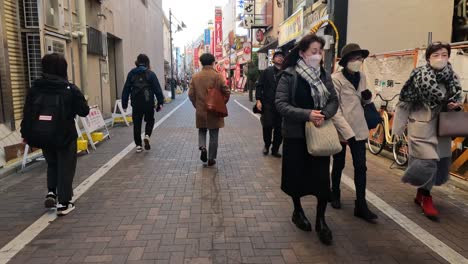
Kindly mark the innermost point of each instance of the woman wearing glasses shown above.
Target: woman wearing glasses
(431, 89)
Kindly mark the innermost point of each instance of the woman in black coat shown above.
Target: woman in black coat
(305, 93)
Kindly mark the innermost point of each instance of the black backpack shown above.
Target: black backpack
(45, 124)
(141, 89)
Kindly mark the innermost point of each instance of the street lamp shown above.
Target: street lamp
(180, 27)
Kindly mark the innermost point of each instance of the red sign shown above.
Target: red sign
(218, 34)
(212, 50)
(196, 58)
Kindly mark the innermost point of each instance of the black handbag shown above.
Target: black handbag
(372, 116)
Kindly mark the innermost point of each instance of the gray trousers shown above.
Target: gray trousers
(61, 166)
(213, 148)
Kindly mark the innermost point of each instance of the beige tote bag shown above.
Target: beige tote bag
(322, 141)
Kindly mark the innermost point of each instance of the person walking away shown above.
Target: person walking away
(430, 90)
(351, 87)
(206, 79)
(142, 86)
(48, 123)
(265, 95)
(305, 93)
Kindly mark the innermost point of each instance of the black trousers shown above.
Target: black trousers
(358, 152)
(61, 167)
(275, 131)
(138, 114)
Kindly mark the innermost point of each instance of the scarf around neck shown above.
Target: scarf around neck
(422, 88)
(318, 89)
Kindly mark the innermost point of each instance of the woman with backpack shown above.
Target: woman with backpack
(48, 123)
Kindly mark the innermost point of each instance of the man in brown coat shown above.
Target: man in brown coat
(201, 82)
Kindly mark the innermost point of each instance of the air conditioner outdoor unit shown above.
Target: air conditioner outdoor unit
(53, 45)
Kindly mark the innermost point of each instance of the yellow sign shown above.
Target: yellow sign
(291, 28)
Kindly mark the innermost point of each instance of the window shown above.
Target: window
(51, 13)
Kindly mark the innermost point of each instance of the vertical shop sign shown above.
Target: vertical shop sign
(218, 35)
(196, 58)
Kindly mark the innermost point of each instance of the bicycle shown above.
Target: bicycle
(382, 135)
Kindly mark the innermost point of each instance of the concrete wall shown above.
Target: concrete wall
(382, 25)
(141, 29)
(137, 28)
(278, 18)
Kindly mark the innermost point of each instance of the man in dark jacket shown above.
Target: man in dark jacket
(265, 95)
(142, 86)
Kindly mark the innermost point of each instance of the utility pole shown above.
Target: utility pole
(172, 60)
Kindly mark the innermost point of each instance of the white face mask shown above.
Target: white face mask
(354, 66)
(313, 61)
(438, 64)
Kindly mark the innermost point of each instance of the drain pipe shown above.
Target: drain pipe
(81, 6)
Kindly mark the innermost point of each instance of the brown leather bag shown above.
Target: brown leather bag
(216, 101)
(453, 124)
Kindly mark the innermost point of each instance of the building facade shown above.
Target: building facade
(99, 38)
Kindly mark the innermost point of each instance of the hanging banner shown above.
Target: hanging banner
(212, 43)
(291, 28)
(207, 36)
(196, 58)
(262, 61)
(249, 13)
(218, 34)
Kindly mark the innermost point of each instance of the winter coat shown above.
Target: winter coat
(295, 117)
(201, 82)
(78, 103)
(350, 120)
(155, 90)
(422, 132)
(266, 92)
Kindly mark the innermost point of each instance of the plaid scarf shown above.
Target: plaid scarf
(422, 88)
(318, 90)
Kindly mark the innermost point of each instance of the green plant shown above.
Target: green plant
(252, 72)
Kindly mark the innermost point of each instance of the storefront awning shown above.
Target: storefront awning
(271, 45)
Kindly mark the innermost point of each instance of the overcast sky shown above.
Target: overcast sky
(194, 13)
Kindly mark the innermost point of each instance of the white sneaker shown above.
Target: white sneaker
(65, 209)
(147, 142)
(139, 149)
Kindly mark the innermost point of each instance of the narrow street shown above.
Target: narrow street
(163, 206)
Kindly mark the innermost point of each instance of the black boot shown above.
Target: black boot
(336, 200)
(301, 221)
(362, 211)
(323, 231)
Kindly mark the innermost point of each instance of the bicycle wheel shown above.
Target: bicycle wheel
(400, 150)
(376, 141)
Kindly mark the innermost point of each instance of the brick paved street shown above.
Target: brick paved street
(163, 206)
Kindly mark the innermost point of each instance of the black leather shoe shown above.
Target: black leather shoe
(301, 221)
(323, 231)
(211, 162)
(335, 200)
(362, 211)
(265, 151)
(276, 154)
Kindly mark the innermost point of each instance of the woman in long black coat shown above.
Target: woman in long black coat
(305, 93)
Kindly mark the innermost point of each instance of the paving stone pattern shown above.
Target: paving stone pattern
(164, 206)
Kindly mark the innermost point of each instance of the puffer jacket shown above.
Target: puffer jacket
(294, 117)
